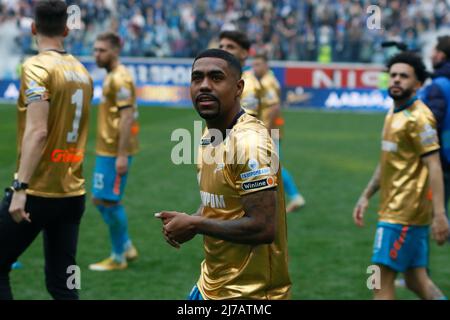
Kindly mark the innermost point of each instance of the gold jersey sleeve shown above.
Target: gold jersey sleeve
(118, 92)
(252, 94)
(271, 97)
(63, 81)
(408, 135)
(245, 162)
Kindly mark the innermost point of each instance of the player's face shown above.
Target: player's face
(259, 67)
(234, 48)
(214, 87)
(402, 81)
(104, 53)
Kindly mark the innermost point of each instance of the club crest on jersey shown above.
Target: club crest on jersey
(253, 164)
(267, 182)
(428, 135)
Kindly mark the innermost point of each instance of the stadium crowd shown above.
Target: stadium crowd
(302, 30)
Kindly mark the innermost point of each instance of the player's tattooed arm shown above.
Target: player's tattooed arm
(363, 201)
(374, 184)
(257, 226)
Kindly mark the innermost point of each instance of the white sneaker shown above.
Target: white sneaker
(295, 204)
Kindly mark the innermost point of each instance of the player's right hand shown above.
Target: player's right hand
(17, 207)
(360, 209)
(440, 228)
(166, 217)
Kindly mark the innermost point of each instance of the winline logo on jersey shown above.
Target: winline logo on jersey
(236, 147)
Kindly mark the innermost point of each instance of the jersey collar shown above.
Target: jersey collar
(408, 104)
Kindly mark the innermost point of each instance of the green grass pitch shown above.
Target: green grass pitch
(331, 156)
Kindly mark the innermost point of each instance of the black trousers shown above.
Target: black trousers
(59, 220)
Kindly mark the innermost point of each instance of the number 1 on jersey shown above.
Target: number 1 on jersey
(77, 100)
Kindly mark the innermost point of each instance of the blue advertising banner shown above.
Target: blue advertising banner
(165, 82)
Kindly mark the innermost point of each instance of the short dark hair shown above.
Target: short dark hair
(261, 56)
(444, 45)
(412, 59)
(232, 61)
(237, 36)
(50, 17)
(112, 37)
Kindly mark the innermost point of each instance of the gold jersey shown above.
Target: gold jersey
(118, 92)
(229, 170)
(252, 94)
(63, 81)
(272, 96)
(409, 133)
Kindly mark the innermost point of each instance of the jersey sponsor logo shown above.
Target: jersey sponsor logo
(71, 155)
(35, 93)
(35, 90)
(428, 135)
(255, 173)
(212, 200)
(258, 184)
(123, 94)
(389, 146)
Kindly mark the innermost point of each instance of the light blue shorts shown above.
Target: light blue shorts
(401, 247)
(107, 184)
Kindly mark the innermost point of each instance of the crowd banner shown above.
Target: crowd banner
(165, 82)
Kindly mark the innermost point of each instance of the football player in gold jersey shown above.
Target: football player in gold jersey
(242, 216)
(270, 114)
(116, 144)
(48, 192)
(409, 177)
(238, 44)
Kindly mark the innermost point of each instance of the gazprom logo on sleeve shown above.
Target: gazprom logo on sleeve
(255, 173)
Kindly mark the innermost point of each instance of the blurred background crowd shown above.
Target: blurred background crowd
(300, 30)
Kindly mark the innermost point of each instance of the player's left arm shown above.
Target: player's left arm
(33, 143)
(439, 227)
(125, 124)
(274, 113)
(257, 226)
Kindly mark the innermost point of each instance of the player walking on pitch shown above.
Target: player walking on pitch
(117, 143)
(409, 177)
